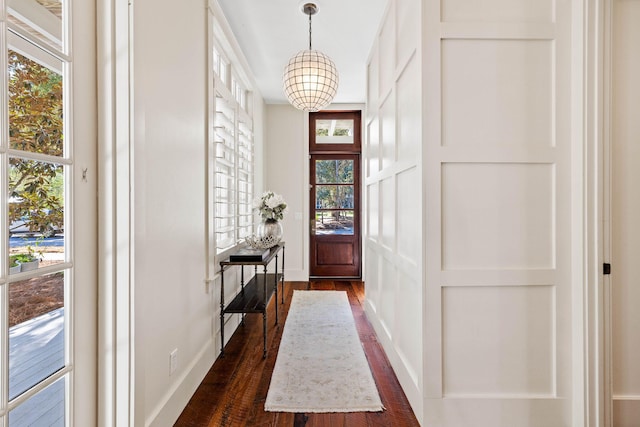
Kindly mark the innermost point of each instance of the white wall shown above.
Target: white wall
(393, 195)
(625, 211)
(173, 308)
(286, 173)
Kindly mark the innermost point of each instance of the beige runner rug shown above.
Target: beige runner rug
(321, 366)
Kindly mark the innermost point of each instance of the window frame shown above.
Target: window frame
(354, 147)
(229, 92)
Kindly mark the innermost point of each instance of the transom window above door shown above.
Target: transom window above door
(332, 131)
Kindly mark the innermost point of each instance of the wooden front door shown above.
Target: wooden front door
(335, 195)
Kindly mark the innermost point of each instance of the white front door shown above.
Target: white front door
(48, 205)
(625, 214)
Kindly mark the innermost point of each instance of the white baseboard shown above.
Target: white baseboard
(176, 398)
(296, 275)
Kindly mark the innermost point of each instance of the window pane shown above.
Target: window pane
(36, 330)
(334, 222)
(334, 171)
(225, 175)
(43, 409)
(334, 131)
(345, 196)
(36, 214)
(233, 217)
(41, 19)
(216, 61)
(35, 106)
(334, 196)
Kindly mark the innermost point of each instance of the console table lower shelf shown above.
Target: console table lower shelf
(254, 297)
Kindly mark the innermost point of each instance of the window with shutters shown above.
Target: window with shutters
(234, 155)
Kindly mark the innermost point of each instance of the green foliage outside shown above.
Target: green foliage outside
(36, 189)
(336, 132)
(341, 132)
(333, 172)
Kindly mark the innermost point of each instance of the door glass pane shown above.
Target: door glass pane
(41, 19)
(330, 131)
(45, 408)
(36, 330)
(36, 214)
(337, 171)
(345, 196)
(35, 103)
(334, 222)
(334, 196)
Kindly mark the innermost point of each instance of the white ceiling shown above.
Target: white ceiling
(272, 31)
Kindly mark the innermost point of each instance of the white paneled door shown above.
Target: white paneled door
(625, 212)
(48, 303)
(499, 144)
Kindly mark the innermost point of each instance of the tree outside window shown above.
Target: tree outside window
(36, 126)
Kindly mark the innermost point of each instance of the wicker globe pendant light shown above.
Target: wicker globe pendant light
(310, 79)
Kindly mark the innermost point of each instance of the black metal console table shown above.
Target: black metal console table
(255, 295)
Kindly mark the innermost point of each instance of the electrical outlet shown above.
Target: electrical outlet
(173, 361)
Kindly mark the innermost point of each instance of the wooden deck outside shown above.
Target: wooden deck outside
(234, 390)
(36, 350)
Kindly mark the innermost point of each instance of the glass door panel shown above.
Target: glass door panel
(335, 171)
(335, 244)
(41, 19)
(36, 122)
(36, 331)
(45, 408)
(37, 162)
(36, 215)
(334, 222)
(334, 196)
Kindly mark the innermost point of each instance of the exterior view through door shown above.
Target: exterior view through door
(334, 147)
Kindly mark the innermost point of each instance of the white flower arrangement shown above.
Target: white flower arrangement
(270, 206)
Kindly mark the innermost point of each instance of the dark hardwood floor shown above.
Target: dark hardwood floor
(234, 390)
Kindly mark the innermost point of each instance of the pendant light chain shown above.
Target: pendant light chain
(310, 31)
(310, 79)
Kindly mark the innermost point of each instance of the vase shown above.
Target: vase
(269, 232)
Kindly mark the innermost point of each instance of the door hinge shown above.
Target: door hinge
(606, 268)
